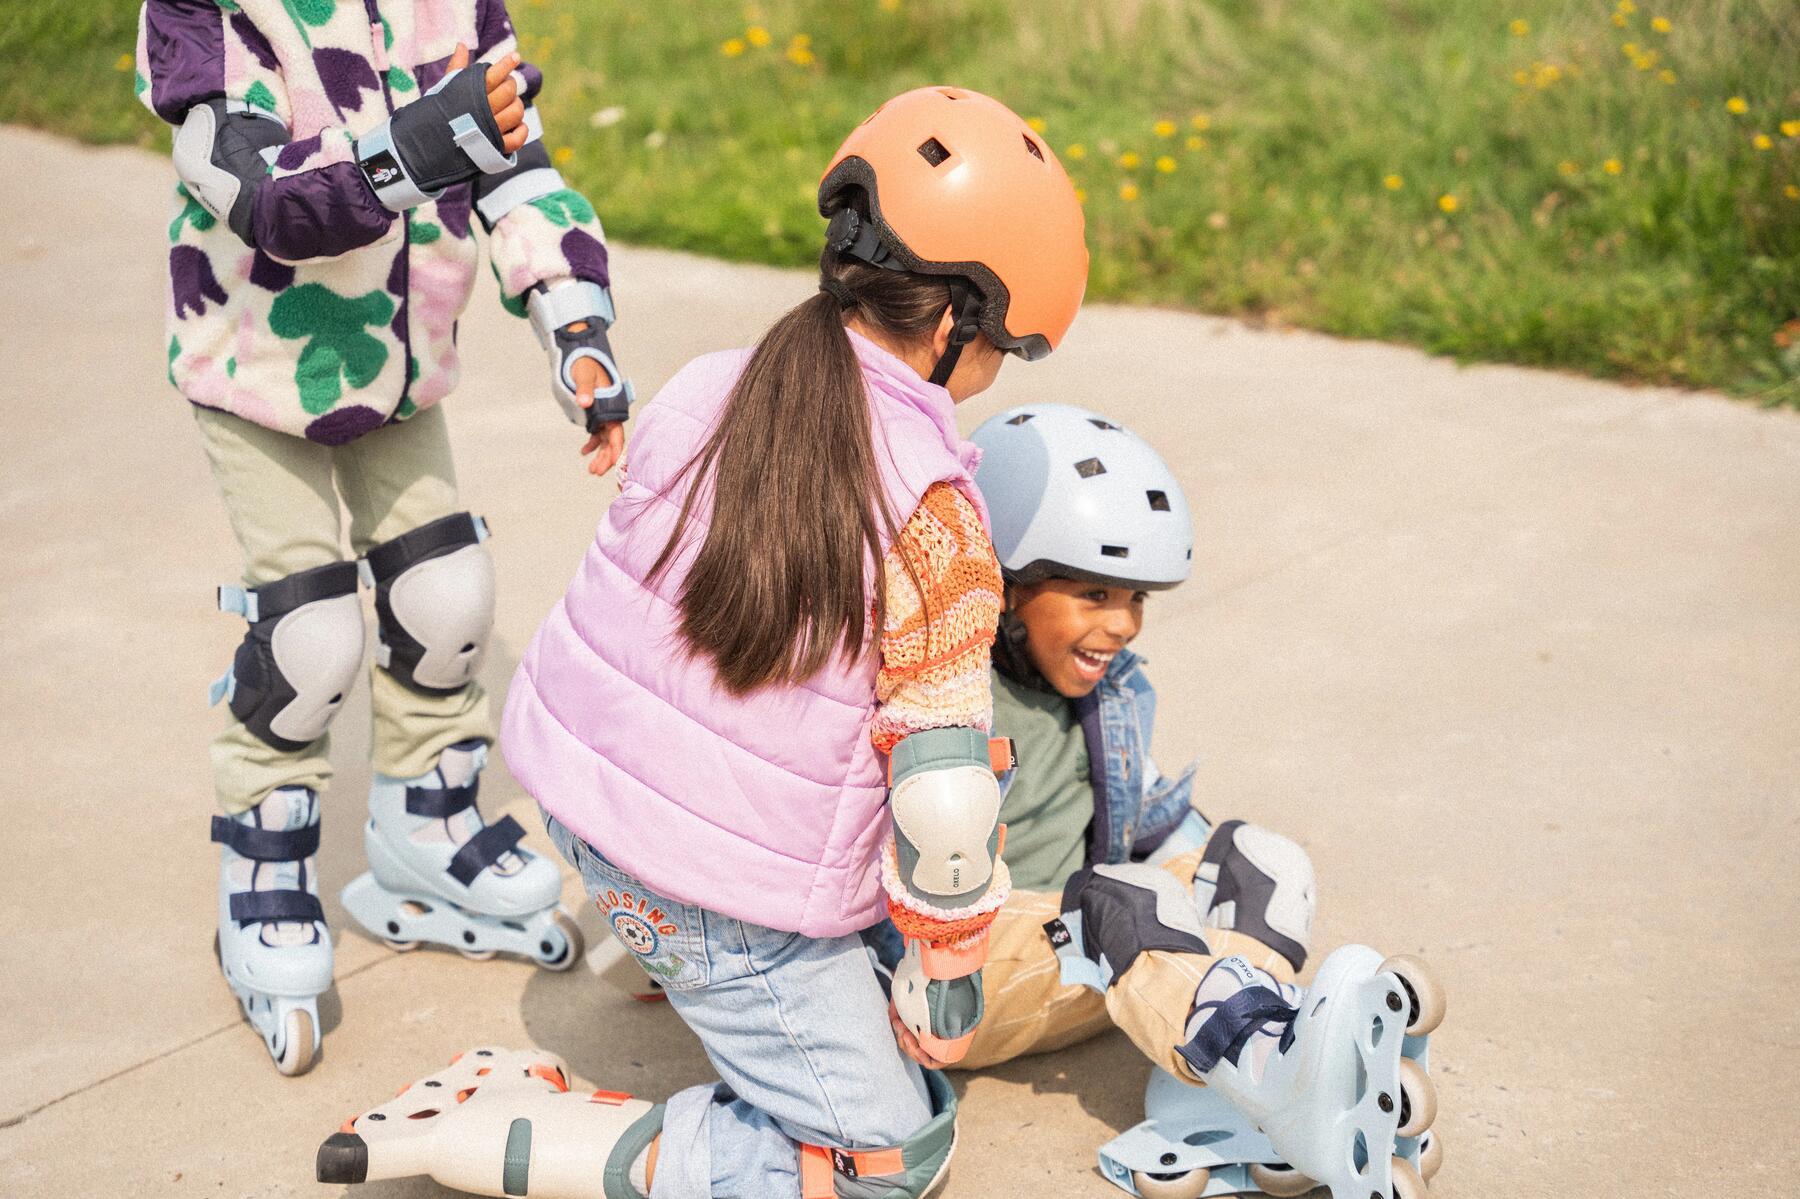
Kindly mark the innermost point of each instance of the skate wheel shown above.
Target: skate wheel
(1418, 1099)
(1426, 996)
(1190, 1185)
(1431, 1155)
(399, 946)
(478, 955)
(1279, 1179)
(1407, 1183)
(296, 1056)
(572, 945)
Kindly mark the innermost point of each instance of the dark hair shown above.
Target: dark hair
(781, 581)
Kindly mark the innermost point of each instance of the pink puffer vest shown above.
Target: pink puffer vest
(768, 808)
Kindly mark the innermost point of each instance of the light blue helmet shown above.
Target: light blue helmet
(1073, 495)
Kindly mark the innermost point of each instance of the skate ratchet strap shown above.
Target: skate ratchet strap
(266, 844)
(277, 599)
(1233, 1023)
(276, 907)
(441, 536)
(441, 803)
(484, 849)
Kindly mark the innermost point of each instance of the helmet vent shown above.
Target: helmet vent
(1159, 501)
(1033, 147)
(1087, 468)
(1021, 418)
(1108, 426)
(932, 151)
(1115, 551)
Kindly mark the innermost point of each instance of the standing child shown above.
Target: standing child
(331, 157)
(758, 720)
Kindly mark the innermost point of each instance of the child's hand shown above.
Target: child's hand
(606, 444)
(503, 97)
(909, 1044)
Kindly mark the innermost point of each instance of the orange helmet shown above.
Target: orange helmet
(958, 185)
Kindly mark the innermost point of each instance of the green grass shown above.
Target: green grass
(1608, 218)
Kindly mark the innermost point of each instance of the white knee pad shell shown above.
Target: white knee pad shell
(1073, 495)
(299, 656)
(434, 603)
(1261, 884)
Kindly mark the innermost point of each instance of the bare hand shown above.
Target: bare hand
(503, 97)
(909, 1044)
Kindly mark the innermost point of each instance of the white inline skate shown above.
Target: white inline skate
(272, 942)
(1325, 1087)
(439, 873)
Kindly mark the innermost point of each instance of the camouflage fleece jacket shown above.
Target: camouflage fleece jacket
(345, 317)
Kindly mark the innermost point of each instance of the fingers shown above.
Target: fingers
(460, 58)
(512, 117)
(510, 142)
(498, 73)
(503, 95)
(611, 442)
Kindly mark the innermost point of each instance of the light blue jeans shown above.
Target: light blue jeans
(796, 1026)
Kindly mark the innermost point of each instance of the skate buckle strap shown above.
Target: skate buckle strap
(484, 849)
(266, 844)
(818, 1164)
(276, 907)
(441, 802)
(1233, 1023)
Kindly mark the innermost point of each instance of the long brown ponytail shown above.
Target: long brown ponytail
(781, 581)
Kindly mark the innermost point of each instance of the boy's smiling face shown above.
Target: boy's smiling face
(1074, 628)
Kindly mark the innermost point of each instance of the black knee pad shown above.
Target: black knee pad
(299, 655)
(434, 603)
(1258, 883)
(1113, 913)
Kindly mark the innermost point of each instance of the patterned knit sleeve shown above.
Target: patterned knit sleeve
(937, 633)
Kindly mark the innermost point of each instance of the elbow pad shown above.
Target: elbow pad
(223, 152)
(445, 137)
(552, 310)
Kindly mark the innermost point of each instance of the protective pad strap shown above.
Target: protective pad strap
(616, 1182)
(938, 749)
(275, 907)
(484, 849)
(906, 1171)
(1111, 914)
(274, 600)
(532, 179)
(440, 803)
(1231, 1026)
(447, 533)
(266, 844)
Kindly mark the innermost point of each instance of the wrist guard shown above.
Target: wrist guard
(552, 310)
(445, 137)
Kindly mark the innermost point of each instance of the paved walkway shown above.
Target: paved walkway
(1514, 654)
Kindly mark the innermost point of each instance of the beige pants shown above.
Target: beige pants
(1030, 1010)
(282, 496)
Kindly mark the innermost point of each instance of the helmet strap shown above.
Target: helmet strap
(965, 307)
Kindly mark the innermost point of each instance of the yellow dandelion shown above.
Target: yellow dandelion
(1660, 24)
(1762, 141)
(1166, 165)
(1200, 122)
(1037, 124)
(1393, 182)
(731, 47)
(756, 35)
(1791, 192)
(1551, 74)
(1081, 195)
(803, 40)
(1630, 50)
(890, 5)
(1130, 160)
(1128, 192)
(1569, 166)
(1165, 128)
(1618, 19)
(124, 63)
(1627, 7)
(1737, 106)
(562, 155)
(1196, 142)
(1521, 78)
(1667, 76)
(1447, 202)
(1790, 129)
(800, 56)
(1612, 166)
(1645, 61)
(1520, 27)
(1076, 150)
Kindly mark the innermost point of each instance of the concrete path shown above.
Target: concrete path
(1514, 654)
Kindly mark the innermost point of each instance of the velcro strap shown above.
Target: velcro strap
(276, 907)
(1231, 1026)
(484, 849)
(277, 599)
(427, 541)
(1003, 755)
(441, 802)
(818, 1163)
(266, 844)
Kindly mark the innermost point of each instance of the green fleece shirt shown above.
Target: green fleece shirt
(1051, 800)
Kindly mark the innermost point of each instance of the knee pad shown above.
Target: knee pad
(434, 603)
(1260, 884)
(909, 1170)
(1113, 913)
(299, 656)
